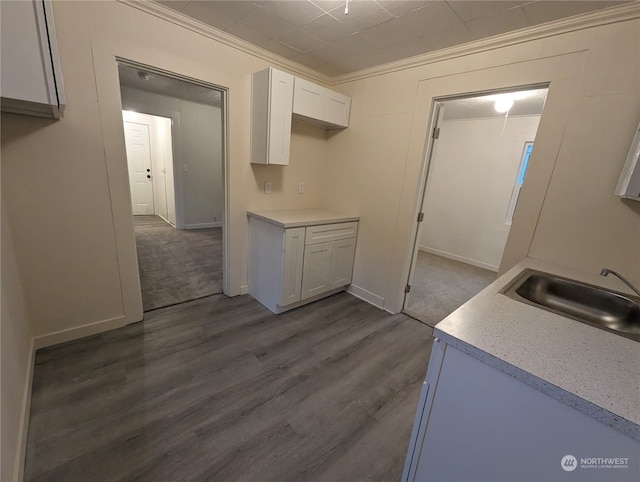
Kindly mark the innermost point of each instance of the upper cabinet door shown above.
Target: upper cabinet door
(307, 99)
(337, 108)
(317, 105)
(272, 104)
(31, 73)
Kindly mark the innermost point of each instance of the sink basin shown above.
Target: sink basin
(596, 306)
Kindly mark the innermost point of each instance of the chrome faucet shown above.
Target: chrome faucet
(606, 271)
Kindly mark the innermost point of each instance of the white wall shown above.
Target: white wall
(198, 136)
(469, 185)
(567, 211)
(16, 360)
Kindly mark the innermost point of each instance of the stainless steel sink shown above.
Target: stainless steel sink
(596, 306)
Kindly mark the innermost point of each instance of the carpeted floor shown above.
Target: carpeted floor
(441, 285)
(176, 265)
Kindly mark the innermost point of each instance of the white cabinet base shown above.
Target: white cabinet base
(292, 266)
(475, 423)
(281, 309)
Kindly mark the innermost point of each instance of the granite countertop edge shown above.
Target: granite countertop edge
(586, 368)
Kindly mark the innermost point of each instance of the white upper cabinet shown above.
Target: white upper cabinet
(272, 99)
(31, 75)
(629, 184)
(320, 106)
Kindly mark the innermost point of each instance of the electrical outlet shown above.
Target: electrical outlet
(267, 187)
(301, 187)
(185, 168)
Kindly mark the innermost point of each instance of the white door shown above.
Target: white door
(139, 162)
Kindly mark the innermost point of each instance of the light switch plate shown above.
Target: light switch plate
(301, 187)
(267, 187)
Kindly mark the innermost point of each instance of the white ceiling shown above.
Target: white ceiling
(318, 34)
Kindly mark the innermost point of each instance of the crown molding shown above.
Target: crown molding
(182, 20)
(620, 13)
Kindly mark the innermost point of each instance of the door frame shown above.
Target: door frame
(178, 187)
(108, 86)
(437, 109)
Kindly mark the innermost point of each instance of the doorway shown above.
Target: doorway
(175, 134)
(477, 159)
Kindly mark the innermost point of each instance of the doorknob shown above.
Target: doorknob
(148, 176)
(148, 170)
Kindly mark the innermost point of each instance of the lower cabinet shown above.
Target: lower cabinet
(476, 423)
(289, 267)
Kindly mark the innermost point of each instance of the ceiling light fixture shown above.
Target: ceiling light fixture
(503, 104)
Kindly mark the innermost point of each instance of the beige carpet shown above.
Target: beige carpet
(441, 285)
(176, 265)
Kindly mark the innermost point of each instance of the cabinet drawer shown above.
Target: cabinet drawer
(330, 232)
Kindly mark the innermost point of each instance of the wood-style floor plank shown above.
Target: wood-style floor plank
(222, 389)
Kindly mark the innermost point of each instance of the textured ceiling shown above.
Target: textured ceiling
(318, 34)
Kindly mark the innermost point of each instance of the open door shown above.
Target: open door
(475, 165)
(438, 110)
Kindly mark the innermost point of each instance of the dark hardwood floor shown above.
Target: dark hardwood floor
(221, 389)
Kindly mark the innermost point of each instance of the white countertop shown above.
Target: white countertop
(293, 218)
(592, 370)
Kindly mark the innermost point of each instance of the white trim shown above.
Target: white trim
(244, 289)
(202, 225)
(366, 295)
(76, 332)
(456, 257)
(619, 13)
(23, 430)
(182, 20)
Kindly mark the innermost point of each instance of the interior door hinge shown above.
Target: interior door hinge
(436, 132)
(407, 288)
(420, 217)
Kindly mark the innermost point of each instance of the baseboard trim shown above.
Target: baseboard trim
(366, 295)
(202, 225)
(244, 289)
(76, 332)
(462, 259)
(21, 452)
